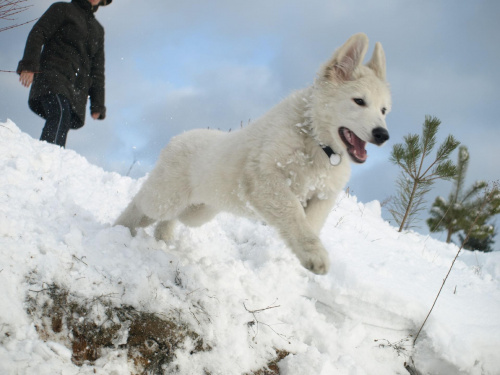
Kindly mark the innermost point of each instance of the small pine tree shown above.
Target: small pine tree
(449, 215)
(479, 244)
(463, 208)
(416, 179)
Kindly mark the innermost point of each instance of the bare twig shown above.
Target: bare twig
(79, 259)
(256, 322)
(9, 8)
(178, 280)
(487, 198)
(14, 26)
(253, 312)
(134, 162)
(398, 346)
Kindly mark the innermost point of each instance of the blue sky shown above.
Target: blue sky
(173, 66)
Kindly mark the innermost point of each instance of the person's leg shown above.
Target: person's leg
(58, 117)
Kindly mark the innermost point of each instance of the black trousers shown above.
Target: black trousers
(59, 117)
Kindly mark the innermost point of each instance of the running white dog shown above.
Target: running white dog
(286, 168)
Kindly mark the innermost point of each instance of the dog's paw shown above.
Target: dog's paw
(164, 231)
(315, 260)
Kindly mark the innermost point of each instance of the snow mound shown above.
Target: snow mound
(232, 282)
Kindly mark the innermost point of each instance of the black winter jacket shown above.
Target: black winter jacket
(71, 61)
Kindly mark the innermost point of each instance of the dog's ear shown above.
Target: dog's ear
(347, 58)
(377, 62)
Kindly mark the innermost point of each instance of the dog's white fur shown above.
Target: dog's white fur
(274, 169)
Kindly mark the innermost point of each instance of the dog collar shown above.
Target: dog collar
(335, 159)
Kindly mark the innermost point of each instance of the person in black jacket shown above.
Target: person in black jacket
(64, 59)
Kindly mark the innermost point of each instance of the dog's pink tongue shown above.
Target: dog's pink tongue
(358, 146)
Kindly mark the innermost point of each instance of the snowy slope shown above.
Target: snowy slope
(56, 212)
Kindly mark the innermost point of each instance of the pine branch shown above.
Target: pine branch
(411, 157)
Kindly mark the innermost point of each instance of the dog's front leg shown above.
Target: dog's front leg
(317, 211)
(274, 201)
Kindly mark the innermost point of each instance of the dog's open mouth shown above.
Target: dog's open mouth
(355, 146)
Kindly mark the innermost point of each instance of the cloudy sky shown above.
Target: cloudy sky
(177, 65)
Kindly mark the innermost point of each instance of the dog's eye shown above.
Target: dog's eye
(359, 102)
(384, 110)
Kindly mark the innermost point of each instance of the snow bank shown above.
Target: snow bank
(233, 281)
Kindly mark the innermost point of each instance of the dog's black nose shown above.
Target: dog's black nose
(380, 135)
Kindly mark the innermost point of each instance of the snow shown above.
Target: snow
(463, 154)
(56, 215)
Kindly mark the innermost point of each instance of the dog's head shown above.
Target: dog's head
(350, 100)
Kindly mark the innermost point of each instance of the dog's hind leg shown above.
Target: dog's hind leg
(165, 230)
(193, 216)
(133, 218)
(197, 215)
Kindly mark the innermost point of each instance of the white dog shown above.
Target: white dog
(286, 168)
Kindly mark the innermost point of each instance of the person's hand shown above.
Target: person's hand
(26, 78)
(96, 115)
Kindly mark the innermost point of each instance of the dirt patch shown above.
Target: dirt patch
(272, 367)
(89, 327)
